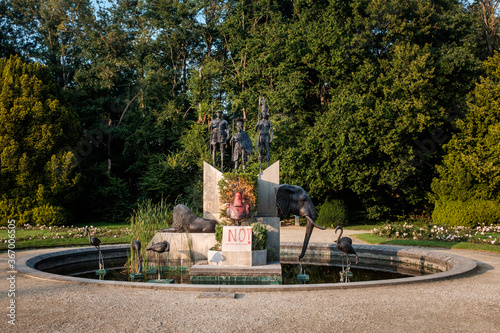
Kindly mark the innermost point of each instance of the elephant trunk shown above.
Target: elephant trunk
(309, 228)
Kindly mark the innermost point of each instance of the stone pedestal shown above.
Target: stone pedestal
(265, 274)
(267, 213)
(273, 237)
(268, 181)
(237, 258)
(261, 267)
(237, 249)
(186, 246)
(237, 238)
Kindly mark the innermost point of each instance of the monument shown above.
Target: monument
(237, 260)
(191, 237)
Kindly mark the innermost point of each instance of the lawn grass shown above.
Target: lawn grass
(373, 239)
(104, 224)
(65, 236)
(58, 242)
(362, 227)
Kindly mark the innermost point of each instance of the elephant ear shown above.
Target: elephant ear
(283, 199)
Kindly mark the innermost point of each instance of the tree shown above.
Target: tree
(486, 26)
(402, 68)
(7, 31)
(360, 93)
(53, 29)
(132, 93)
(38, 175)
(467, 188)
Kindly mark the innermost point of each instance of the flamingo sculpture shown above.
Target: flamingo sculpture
(344, 244)
(136, 246)
(96, 242)
(159, 248)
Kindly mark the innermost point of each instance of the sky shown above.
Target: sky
(103, 3)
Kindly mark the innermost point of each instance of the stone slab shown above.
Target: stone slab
(268, 181)
(273, 237)
(211, 205)
(237, 258)
(186, 246)
(237, 238)
(272, 269)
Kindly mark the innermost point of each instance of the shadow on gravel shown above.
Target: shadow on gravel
(482, 268)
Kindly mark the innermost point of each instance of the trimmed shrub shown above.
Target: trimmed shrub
(470, 213)
(333, 213)
(218, 233)
(27, 211)
(48, 215)
(259, 236)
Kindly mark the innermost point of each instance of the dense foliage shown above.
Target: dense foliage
(259, 236)
(467, 189)
(333, 213)
(38, 175)
(362, 95)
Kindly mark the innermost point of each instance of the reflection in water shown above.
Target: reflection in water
(331, 274)
(317, 274)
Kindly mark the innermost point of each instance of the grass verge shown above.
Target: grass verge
(373, 239)
(43, 237)
(367, 227)
(46, 243)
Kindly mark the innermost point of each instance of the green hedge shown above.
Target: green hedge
(27, 211)
(468, 214)
(333, 213)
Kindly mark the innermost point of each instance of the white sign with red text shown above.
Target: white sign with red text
(236, 238)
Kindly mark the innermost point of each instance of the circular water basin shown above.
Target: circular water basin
(416, 264)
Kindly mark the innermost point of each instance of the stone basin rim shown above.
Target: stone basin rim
(459, 266)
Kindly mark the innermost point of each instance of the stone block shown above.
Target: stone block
(211, 205)
(273, 237)
(186, 246)
(268, 182)
(237, 238)
(237, 258)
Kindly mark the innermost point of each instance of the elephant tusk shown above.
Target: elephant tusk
(315, 224)
(309, 228)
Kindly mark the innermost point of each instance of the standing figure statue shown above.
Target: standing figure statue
(265, 129)
(219, 133)
(242, 146)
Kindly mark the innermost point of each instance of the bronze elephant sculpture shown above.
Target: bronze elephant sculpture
(292, 199)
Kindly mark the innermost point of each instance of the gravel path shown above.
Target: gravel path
(468, 304)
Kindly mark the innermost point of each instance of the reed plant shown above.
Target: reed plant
(145, 221)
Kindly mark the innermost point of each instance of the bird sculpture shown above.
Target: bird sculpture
(96, 242)
(160, 247)
(344, 244)
(136, 246)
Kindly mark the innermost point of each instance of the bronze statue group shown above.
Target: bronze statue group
(240, 142)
